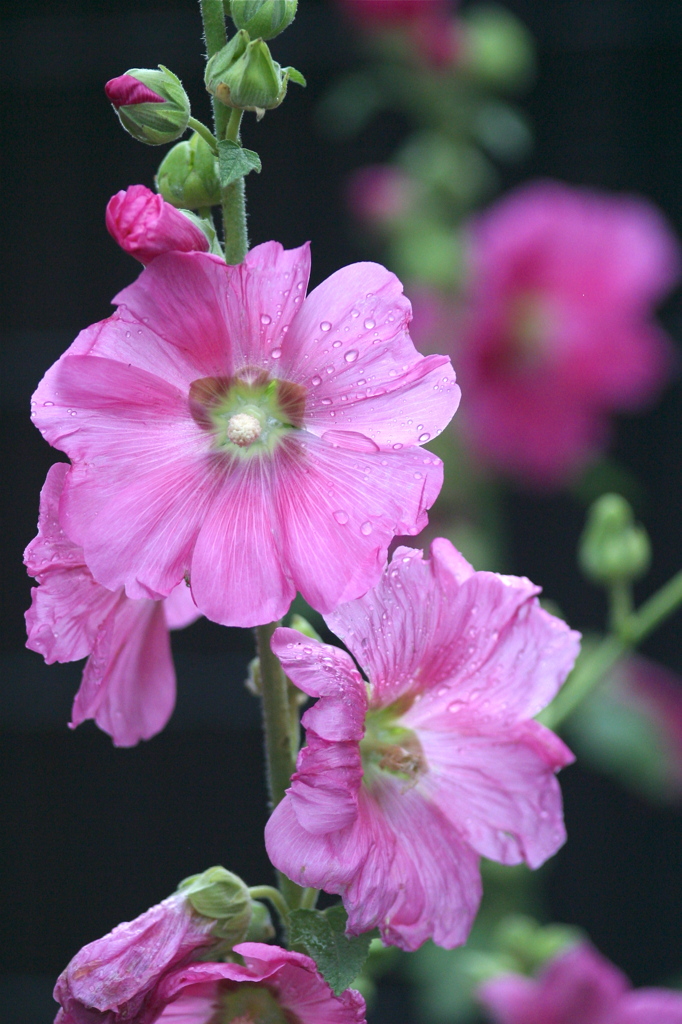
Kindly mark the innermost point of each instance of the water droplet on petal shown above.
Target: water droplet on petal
(397, 447)
(265, 319)
(424, 437)
(341, 517)
(351, 355)
(276, 353)
(366, 529)
(48, 404)
(315, 381)
(326, 401)
(336, 344)
(369, 324)
(325, 326)
(355, 313)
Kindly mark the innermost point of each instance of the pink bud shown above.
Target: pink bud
(126, 90)
(146, 226)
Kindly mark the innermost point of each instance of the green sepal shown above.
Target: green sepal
(294, 76)
(234, 162)
(223, 896)
(321, 934)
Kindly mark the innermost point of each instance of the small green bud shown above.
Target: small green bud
(613, 548)
(498, 48)
(218, 894)
(188, 175)
(243, 75)
(261, 928)
(151, 105)
(263, 18)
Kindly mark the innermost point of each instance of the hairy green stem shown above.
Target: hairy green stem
(634, 628)
(234, 205)
(281, 761)
(205, 133)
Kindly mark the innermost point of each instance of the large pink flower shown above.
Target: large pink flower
(273, 985)
(578, 987)
(226, 431)
(406, 780)
(559, 333)
(128, 684)
(146, 226)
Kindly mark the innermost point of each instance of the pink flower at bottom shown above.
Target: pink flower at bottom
(559, 331)
(408, 779)
(227, 429)
(114, 979)
(273, 985)
(128, 683)
(578, 987)
(146, 226)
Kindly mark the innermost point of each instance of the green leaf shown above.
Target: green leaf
(234, 162)
(295, 76)
(320, 934)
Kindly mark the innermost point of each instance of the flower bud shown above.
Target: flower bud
(244, 75)
(263, 19)
(261, 928)
(151, 105)
(188, 175)
(146, 226)
(613, 548)
(218, 894)
(497, 48)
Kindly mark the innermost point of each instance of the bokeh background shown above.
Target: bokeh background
(92, 835)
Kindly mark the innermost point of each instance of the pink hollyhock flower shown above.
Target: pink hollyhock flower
(273, 985)
(429, 24)
(560, 335)
(379, 194)
(408, 779)
(578, 987)
(128, 684)
(126, 91)
(226, 431)
(115, 978)
(146, 226)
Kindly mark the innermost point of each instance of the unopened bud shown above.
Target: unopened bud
(223, 896)
(263, 19)
(188, 175)
(261, 928)
(497, 47)
(151, 105)
(613, 548)
(243, 75)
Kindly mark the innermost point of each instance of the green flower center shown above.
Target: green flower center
(251, 1004)
(249, 413)
(389, 747)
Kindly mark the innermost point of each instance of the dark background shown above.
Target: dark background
(94, 835)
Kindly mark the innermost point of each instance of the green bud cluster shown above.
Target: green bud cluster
(188, 175)
(244, 76)
(613, 548)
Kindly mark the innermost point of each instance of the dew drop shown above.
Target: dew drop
(265, 319)
(369, 324)
(424, 437)
(355, 313)
(48, 404)
(417, 476)
(336, 344)
(316, 381)
(326, 401)
(276, 353)
(351, 355)
(341, 517)
(325, 326)
(397, 447)
(366, 529)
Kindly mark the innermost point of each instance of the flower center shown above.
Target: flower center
(247, 414)
(529, 328)
(388, 746)
(251, 1004)
(243, 429)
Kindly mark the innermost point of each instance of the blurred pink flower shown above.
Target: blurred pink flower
(115, 978)
(578, 987)
(428, 23)
(559, 332)
(126, 90)
(128, 683)
(274, 984)
(379, 194)
(146, 226)
(226, 431)
(656, 694)
(407, 780)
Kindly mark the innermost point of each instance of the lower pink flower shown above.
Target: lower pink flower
(408, 779)
(559, 334)
(273, 985)
(128, 684)
(146, 226)
(578, 987)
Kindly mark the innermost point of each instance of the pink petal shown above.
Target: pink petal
(512, 999)
(239, 542)
(324, 789)
(127, 90)
(341, 509)
(650, 1006)
(146, 226)
(499, 789)
(350, 347)
(179, 607)
(128, 684)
